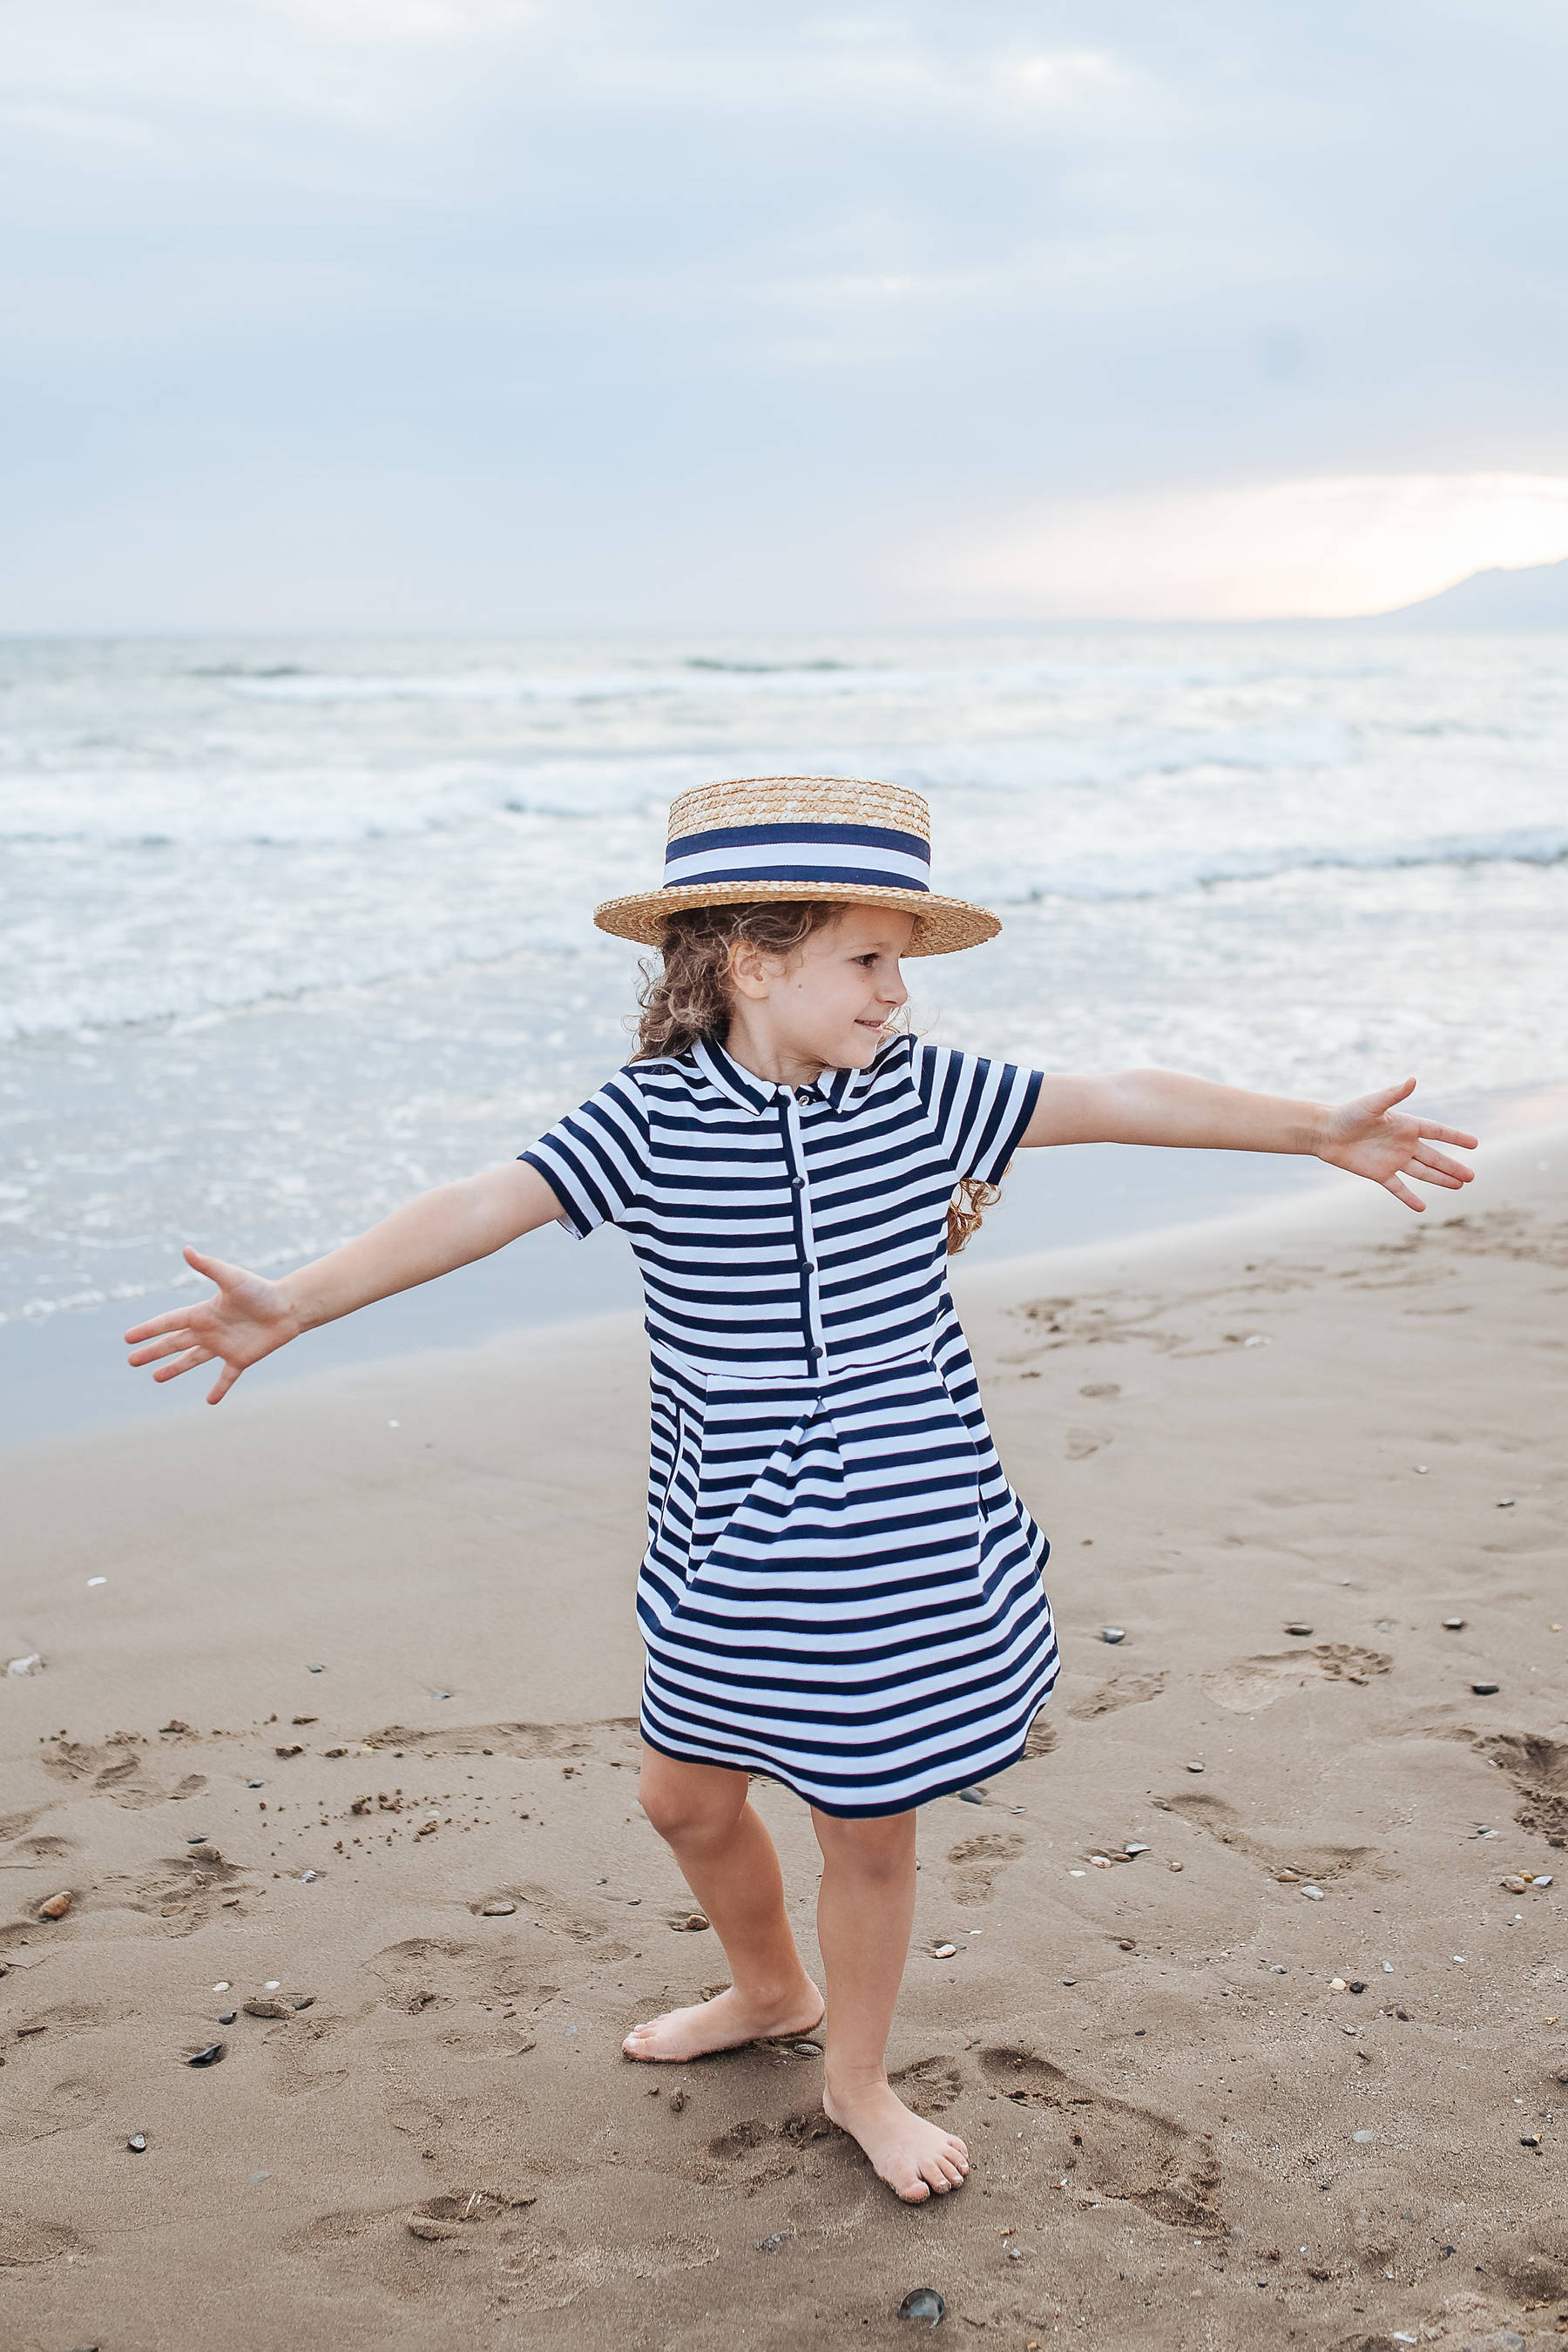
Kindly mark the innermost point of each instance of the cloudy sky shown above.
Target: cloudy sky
(578, 313)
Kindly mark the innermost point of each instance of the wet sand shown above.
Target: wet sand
(1185, 2133)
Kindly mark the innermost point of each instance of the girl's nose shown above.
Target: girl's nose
(893, 992)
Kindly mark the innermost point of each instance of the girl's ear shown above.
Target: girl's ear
(752, 971)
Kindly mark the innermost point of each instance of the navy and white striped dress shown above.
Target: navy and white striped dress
(840, 1589)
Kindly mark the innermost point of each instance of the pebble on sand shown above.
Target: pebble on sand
(1113, 1633)
(210, 2056)
(30, 1664)
(1314, 1893)
(1486, 1690)
(694, 1923)
(972, 1796)
(500, 1907)
(1195, 1768)
(56, 1907)
(922, 2302)
(944, 1951)
(137, 2143)
(261, 2008)
(1299, 1629)
(1453, 1624)
(227, 2016)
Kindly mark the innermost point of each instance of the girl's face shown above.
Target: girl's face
(826, 1007)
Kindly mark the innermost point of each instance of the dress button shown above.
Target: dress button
(808, 1266)
(797, 1183)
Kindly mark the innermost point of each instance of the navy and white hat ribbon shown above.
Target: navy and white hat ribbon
(875, 857)
(813, 837)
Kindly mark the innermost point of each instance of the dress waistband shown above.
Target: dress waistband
(734, 1376)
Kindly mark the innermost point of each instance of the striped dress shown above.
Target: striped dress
(840, 1589)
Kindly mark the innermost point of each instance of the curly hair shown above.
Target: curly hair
(685, 1000)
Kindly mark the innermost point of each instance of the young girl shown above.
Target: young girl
(841, 1591)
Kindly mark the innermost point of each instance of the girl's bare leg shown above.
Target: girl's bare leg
(702, 1812)
(863, 1917)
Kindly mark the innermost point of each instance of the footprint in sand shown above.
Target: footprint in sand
(614, 1738)
(1113, 2147)
(405, 2250)
(42, 1849)
(1122, 1690)
(39, 2104)
(184, 1892)
(15, 1825)
(1300, 1859)
(23, 2240)
(1043, 1736)
(547, 2269)
(928, 2085)
(1254, 1683)
(425, 1970)
(1538, 1768)
(976, 1861)
(117, 1767)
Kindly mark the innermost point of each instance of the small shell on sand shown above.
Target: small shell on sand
(56, 1907)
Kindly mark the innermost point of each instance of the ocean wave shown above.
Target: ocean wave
(1172, 876)
(387, 944)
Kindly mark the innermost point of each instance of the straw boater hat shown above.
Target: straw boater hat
(801, 837)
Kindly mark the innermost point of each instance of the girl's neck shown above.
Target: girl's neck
(773, 1062)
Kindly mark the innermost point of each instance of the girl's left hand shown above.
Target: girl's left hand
(1371, 1138)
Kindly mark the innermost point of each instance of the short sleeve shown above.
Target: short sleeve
(979, 1109)
(594, 1159)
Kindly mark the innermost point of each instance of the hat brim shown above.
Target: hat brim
(942, 925)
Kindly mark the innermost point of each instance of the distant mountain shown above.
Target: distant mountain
(1532, 597)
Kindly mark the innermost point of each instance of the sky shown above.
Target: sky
(630, 314)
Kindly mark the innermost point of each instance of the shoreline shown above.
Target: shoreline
(371, 1641)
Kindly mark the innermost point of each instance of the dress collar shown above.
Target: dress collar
(841, 1089)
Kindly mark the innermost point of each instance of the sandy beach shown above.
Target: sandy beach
(1251, 2037)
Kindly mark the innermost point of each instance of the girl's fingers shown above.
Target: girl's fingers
(1436, 1134)
(216, 1269)
(175, 1320)
(224, 1381)
(1402, 1191)
(1424, 1158)
(186, 1363)
(1435, 1176)
(170, 1346)
(1382, 1101)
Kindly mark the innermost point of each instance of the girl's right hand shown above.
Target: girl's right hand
(247, 1319)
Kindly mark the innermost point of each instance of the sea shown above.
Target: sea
(297, 926)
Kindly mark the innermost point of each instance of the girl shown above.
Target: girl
(840, 1589)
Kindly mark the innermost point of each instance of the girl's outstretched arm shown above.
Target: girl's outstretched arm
(248, 1316)
(1369, 1137)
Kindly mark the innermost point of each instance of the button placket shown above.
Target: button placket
(805, 1238)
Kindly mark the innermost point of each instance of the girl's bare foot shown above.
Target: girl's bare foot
(913, 2158)
(724, 2022)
